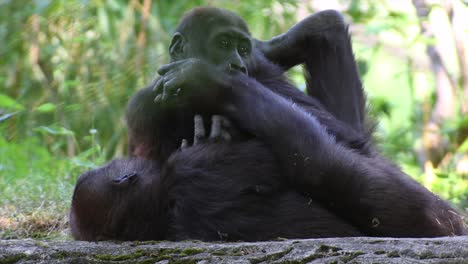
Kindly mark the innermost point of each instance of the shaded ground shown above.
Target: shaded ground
(333, 250)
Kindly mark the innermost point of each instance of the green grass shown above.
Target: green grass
(35, 190)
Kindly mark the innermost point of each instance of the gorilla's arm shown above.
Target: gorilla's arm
(377, 188)
(369, 192)
(321, 42)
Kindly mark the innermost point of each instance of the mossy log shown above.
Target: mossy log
(332, 250)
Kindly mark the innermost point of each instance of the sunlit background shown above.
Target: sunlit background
(68, 68)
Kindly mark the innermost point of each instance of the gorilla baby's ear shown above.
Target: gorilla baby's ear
(177, 48)
(126, 179)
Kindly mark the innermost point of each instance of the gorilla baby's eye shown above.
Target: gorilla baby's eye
(244, 50)
(224, 43)
(126, 178)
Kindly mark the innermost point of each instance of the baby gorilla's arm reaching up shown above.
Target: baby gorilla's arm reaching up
(218, 131)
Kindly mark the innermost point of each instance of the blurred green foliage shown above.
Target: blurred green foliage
(68, 68)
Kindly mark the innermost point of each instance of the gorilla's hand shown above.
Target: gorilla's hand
(191, 79)
(219, 131)
(287, 49)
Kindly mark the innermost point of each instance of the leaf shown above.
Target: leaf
(464, 147)
(442, 175)
(46, 108)
(73, 107)
(6, 116)
(103, 20)
(83, 163)
(9, 103)
(54, 130)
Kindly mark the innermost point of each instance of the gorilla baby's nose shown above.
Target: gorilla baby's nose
(235, 67)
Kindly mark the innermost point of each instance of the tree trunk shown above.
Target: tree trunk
(434, 147)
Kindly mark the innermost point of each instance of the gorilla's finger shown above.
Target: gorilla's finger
(154, 82)
(230, 130)
(215, 127)
(159, 85)
(225, 135)
(199, 134)
(173, 85)
(165, 94)
(158, 98)
(159, 91)
(225, 121)
(184, 144)
(165, 68)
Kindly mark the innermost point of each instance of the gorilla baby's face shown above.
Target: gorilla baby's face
(215, 35)
(115, 202)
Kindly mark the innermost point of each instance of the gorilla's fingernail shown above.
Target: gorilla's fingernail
(158, 98)
(184, 144)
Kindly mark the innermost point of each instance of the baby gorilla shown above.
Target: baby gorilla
(105, 198)
(137, 199)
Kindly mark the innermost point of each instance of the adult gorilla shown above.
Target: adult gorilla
(315, 174)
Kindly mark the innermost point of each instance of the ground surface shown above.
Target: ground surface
(333, 250)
